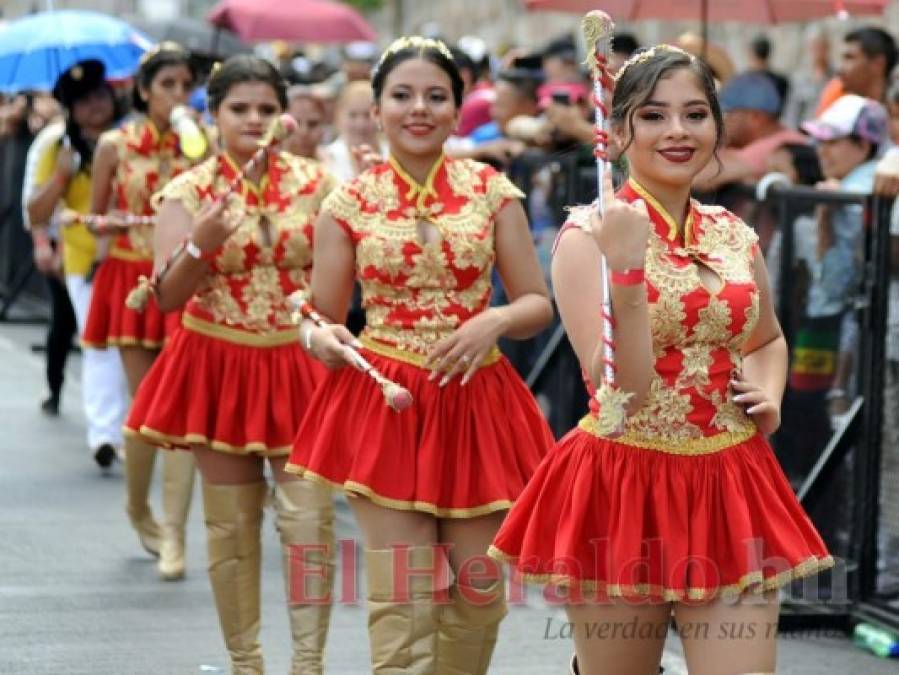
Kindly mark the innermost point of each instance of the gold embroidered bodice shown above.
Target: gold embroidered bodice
(418, 289)
(697, 332)
(270, 255)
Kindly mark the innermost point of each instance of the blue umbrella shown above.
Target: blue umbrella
(37, 49)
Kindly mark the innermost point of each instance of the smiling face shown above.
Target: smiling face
(673, 135)
(245, 113)
(416, 109)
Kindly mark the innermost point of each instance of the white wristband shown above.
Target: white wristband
(306, 336)
(193, 250)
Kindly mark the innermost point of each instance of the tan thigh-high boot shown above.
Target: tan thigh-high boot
(233, 522)
(468, 629)
(178, 468)
(402, 613)
(139, 459)
(305, 521)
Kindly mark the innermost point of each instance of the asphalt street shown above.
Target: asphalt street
(79, 596)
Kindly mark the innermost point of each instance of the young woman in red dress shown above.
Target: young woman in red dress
(422, 233)
(232, 382)
(686, 511)
(130, 164)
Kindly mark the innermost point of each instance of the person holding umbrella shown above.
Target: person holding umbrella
(61, 159)
(132, 163)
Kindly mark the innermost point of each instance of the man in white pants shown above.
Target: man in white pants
(58, 175)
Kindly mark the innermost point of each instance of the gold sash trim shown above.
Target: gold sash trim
(414, 358)
(237, 335)
(706, 445)
(120, 253)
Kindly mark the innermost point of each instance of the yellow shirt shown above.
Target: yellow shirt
(79, 245)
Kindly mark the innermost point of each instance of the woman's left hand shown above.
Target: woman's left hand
(764, 411)
(467, 347)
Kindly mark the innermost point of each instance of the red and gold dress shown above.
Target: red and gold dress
(457, 451)
(147, 160)
(689, 502)
(233, 377)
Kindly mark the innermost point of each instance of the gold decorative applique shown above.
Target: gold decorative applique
(728, 415)
(666, 317)
(664, 414)
(416, 293)
(579, 216)
(612, 409)
(252, 275)
(751, 321)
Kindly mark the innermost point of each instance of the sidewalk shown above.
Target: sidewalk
(79, 596)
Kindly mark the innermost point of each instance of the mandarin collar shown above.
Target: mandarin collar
(664, 223)
(417, 192)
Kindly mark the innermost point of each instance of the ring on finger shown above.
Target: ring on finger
(465, 358)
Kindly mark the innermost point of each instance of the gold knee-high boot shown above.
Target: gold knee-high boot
(177, 489)
(402, 613)
(468, 628)
(139, 459)
(233, 522)
(305, 521)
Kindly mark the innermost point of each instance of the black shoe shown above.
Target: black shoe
(50, 406)
(105, 455)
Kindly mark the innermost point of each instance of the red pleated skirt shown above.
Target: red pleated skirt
(457, 452)
(206, 391)
(613, 520)
(110, 323)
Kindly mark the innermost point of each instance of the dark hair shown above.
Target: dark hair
(464, 62)
(244, 68)
(624, 43)
(875, 42)
(806, 163)
(761, 47)
(873, 148)
(84, 147)
(425, 52)
(167, 54)
(526, 82)
(638, 81)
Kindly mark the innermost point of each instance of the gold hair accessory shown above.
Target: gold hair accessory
(164, 46)
(215, 68)
(648, 54)
(414, 42)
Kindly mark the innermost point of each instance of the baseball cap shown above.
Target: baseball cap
(750, 91)
(850, 115)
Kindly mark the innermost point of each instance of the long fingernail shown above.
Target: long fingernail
(739, 398)
(444, 381)
(432, 376)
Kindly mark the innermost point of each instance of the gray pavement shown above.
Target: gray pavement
(79, 596)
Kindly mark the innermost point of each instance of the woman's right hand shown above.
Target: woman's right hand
(622, 232)
(213, 225)
(330, 345)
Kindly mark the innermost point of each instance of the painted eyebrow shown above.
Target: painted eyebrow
(661, 104)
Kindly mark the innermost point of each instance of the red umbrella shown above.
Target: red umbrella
(751, 11)
(292, 20)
